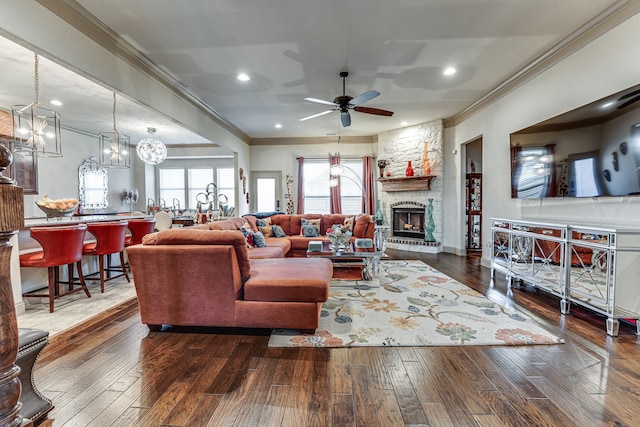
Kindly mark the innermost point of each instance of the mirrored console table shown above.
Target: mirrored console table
(591, 266)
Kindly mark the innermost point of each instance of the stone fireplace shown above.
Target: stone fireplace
(403, 200)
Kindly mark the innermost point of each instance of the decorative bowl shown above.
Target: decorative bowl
(339, 240)
(54, 212)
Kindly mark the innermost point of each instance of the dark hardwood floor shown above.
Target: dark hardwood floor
(114, 372)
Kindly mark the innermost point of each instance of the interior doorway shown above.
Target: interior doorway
(266, 188)
(472, 231)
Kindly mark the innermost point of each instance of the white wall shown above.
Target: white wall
(58, 176)
(605, 66)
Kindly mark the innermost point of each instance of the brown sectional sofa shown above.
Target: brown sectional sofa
(206, 276)
(294, 245)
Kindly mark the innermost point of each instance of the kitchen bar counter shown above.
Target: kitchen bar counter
(75, 219)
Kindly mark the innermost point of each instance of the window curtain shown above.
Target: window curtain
(334, 192)
(300, 193)
(368, 185)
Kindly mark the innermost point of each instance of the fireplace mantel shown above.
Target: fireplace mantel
(408, 183)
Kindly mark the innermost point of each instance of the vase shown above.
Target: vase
(409, 171)
(431, 225)
(379, 218)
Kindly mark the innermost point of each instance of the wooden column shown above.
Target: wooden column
(11, 220)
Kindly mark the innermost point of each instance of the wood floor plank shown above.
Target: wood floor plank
(410, 406)
(342, 410)
(296, 411)
(364, 403)
(319, 404)
(273, 410)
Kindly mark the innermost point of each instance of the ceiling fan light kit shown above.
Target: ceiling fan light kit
(344, 103)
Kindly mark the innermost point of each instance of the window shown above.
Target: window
(198, 180)
(351, 187)
(172, 186)
(182, 185)
(316, 186)
(226, 184)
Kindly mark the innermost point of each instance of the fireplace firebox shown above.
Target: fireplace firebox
(408, 221)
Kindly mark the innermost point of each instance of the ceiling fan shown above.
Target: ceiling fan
(344, 103)
(635, 97)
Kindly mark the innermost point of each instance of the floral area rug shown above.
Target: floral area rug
(415, 305)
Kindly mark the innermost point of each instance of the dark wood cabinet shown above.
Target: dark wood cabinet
(473, 212)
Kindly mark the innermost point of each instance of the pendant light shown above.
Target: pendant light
(151, 150)
(114, 146)
(36, 129)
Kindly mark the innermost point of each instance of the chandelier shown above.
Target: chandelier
(151, 150)
(36, 129)
(114, 146)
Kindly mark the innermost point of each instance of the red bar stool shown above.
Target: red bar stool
(139, 228)
(109, 240)
(60, 246)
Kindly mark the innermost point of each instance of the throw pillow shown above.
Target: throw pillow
(278, 231)
(245, 228)
(348, 222)
(250, 239)
(258, 240)
(266, 230)
(313, 222)
(263, 222)
(309, 231)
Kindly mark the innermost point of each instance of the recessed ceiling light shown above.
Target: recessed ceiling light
(449, 71)
(404, 123)
(243, 77)
(56, 102)
(278, 125)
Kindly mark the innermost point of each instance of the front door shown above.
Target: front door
(266, 191)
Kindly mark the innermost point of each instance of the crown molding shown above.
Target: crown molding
(610, 18)
(80, 19)
(314, 140)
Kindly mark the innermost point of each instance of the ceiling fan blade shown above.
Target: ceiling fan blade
(629, 102)
(316, 115)
(320, 101)
(376, 111)
(345, 117)
(628, 95)
(364, 97)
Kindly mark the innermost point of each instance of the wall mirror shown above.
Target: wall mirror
(93, 185)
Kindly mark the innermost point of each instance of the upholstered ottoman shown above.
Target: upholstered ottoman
(294, 289)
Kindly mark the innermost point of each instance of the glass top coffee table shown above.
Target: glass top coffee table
(351, 263)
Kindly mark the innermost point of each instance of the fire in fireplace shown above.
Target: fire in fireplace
(408, 221)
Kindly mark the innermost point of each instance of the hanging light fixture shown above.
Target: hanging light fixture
(114, 146)
(151, 150)
(36, 129)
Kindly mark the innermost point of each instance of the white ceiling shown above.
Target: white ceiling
(294, 49)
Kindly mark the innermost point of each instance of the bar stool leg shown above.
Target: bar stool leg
(53, 284)
(124, 268)
(81, 279)
(101, 266)
(70, 275)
